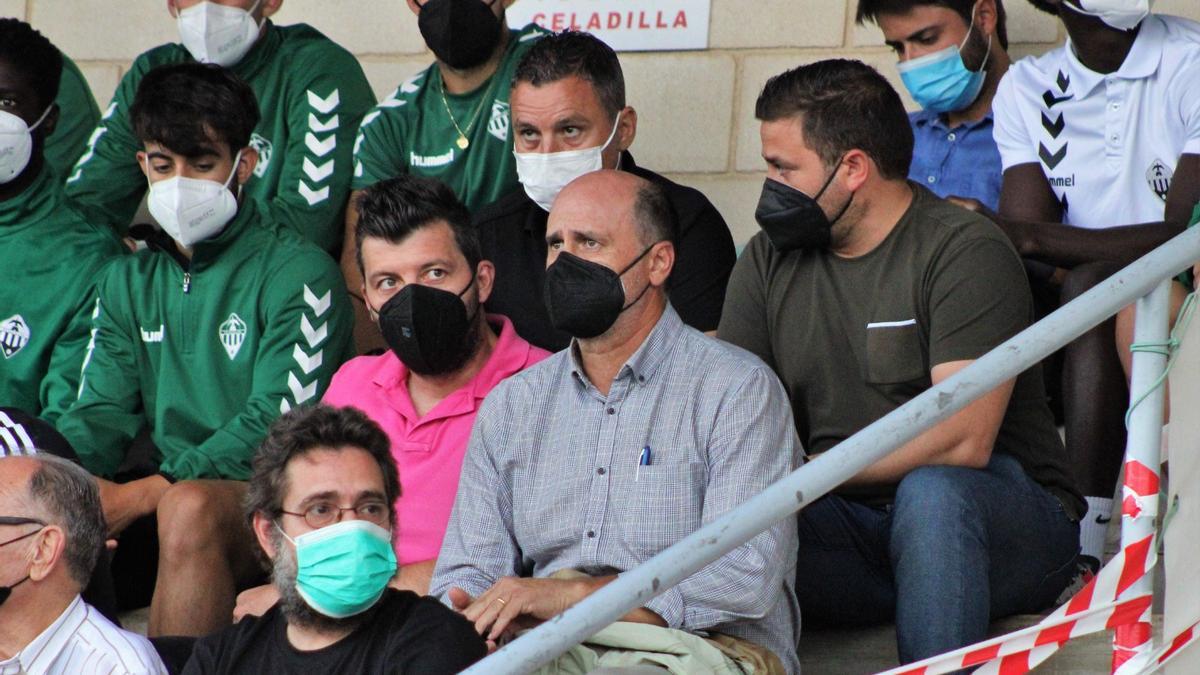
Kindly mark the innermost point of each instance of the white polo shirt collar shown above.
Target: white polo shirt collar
(1141, 62)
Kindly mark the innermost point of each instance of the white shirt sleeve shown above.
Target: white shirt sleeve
(1011, 135)
(1189, 108)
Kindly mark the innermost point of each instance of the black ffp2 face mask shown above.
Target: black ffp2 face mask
(428, 329)
(461, 33)
(585, 298)
(792, 219)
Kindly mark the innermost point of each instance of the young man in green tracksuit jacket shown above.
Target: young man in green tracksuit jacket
(311, 92)
(201, 343)
(49, 255)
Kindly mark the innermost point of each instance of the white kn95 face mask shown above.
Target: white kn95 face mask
(191, 210)
(217, 34)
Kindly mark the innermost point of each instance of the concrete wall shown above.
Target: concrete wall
(696, 108)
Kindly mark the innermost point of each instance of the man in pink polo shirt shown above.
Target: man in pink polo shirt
(424, 282)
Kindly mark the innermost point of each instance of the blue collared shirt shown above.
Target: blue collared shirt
(552, 480)
(960, 162)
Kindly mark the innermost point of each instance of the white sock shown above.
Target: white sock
(1094, 525)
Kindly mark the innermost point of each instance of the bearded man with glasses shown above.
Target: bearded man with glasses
(321, 504)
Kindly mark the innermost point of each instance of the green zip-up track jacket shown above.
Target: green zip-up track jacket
(50, 258)
(311, 94)
(208, 356)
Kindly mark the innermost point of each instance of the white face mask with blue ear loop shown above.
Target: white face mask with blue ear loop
(940, 82)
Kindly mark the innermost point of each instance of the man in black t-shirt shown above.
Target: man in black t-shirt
(862, 292)
(321, 502)
(569, 118)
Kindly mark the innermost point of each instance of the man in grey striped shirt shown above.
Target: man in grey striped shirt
(51, 532)
(596, 459)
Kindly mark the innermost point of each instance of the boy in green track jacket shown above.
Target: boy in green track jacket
(202, 342)
(49, 255)
(311, 92)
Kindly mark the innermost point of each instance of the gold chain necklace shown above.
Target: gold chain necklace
(462, 141)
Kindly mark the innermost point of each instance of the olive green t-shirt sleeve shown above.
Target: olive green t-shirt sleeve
(77, 117)
(978, 298)
(744, 314)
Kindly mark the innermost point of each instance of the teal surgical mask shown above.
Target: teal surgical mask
(940, 82)
(343, 569)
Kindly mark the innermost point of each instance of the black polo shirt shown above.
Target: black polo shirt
(512, 231)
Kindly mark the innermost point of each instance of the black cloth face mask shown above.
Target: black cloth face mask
(792, 219)
(585, 298)
(461, 33)
(428, 329)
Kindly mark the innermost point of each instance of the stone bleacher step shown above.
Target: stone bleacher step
(871, 650)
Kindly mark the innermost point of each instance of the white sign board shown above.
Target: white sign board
(626, 25)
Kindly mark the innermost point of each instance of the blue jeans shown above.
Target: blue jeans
(957, 548)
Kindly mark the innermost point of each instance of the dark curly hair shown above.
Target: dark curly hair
(303, 430)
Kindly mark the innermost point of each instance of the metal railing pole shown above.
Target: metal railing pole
(1132, 644)
(801, 487)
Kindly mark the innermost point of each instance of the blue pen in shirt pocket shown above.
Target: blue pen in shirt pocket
(643, 460)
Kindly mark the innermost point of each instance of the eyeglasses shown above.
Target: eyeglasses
(321, 514)
(18, 520)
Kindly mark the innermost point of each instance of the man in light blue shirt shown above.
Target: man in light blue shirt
(952, 55)
(593, 461)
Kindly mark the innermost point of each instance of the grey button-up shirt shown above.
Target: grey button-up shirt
(552, 480)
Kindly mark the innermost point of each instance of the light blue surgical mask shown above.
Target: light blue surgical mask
(343, 569)
(940, 82)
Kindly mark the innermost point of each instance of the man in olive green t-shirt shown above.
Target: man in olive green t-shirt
(863, 291)
(449, 121)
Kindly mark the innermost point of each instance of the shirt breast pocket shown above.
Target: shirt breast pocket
(894, 352)
(666, 503)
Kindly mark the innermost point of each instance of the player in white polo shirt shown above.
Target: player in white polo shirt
(1100, 144)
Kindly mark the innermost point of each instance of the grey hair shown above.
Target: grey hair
(69, 498)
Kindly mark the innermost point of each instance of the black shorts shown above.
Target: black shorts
(135, 563)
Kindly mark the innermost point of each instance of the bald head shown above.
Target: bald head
(61, 495)
(15, 473)
(622, 198)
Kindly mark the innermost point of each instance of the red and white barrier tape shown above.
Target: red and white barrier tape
(1132, 642)
(1094, 608)
(1172, 649)
(1139, 494)
(1011, 654)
